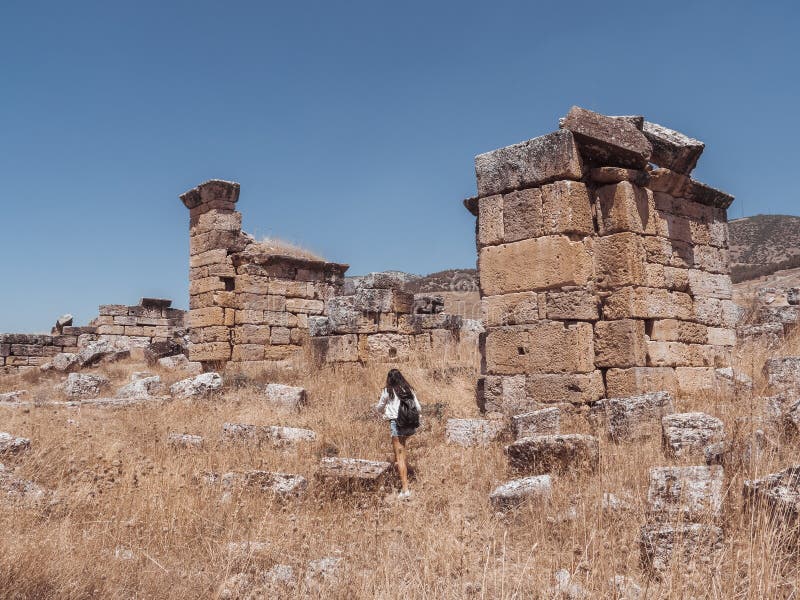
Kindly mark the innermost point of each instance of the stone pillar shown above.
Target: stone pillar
(215, 232)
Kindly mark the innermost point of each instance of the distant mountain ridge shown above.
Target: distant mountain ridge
(763, 244)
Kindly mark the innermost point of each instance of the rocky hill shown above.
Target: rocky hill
(764, 244)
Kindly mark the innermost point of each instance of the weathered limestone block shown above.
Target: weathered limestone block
(80, 385)
(672, 354)
(634, 381)
(103, 351)
(778, 493)
(285, 396)
(386, 347)
(637, 417)
(620, 343)
(490, 220)
(200, 385)
(624, 207)
(13, 397)
(566, 208)
(141, 388)
(543, 347)
(503, 394)
(661, 543)
(672, 149)
(212, 192)
(572, 305)
(184, 440)
(210, 351)
(216, 220)
(271, 433)
(608, 141)
(681, 186)
(518, 491)
(65, 362)
(687, 433)
(510, 309)
(473, 432)
(356, 469)
(10, 444)
(647, 303)
(793, 296)
(695, 380)
(620, 261)
(428, 304)
(574, 388)
(539, 455)
(691, 493)
(783, 374)
(559, 262)
(673, 330)
(283, 485)
(546, 421)
(521, 216)
(606, 175)
(710, 285)
(716, 313)
(206, 317)
(528, 164)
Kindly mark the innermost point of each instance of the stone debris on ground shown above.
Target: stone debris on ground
(616, 503)
(352, 469)
(567, 588)
(546, 421)
(692, 493)
(323, 572)
(473, 432)
(284, 485)
(783, 374)
(13, 397)
(539, 455)
(778, 493)
(17, 490)
(689, 543)
(123, 553)
(518, 491)
(637, 417)
(179, 363)
(63, 362)
(103, 351)
(285, 396)
(10, 444)
(626, 588)
(199, 386)
(141, 387)
(82, 385)
(688, 433)
(184, 440)
(272, 433)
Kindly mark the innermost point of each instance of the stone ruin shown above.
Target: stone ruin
(775, 313)
(151, 321)
(248, 304)
(601, 275)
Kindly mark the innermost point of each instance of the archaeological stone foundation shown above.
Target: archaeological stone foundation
(604, 268)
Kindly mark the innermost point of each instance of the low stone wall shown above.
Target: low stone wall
(382, 324)
(22, 352)
(776, 311)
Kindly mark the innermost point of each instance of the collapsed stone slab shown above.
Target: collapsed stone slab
(472, 432)
(201, 385)
(281, 484)
(779, 493)
(691, 493)
(637, 417)
(672, 149)
(687, 433)
(546, 421)
(608, 141)
(353, 469)
(518, 491)
(271, 433)
(79, 385)
(141, 387)
(184, 440)
(285, 396)
(691, 543)
(539, 455)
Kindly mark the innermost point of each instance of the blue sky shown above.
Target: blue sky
(351, 126)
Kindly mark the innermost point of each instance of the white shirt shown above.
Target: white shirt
(391, 404)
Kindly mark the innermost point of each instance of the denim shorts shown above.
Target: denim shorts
(402, 432)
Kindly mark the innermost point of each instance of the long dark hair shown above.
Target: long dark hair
(396, 384)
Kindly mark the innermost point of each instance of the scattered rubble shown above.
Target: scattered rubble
(353, 469)
(184, 440)
(271, 433)
(514, 493)
(637, 417)
(285, 396)
(473, 432)
(546, 421)
(10, 444)
(539, 455)
(692, 493)
(687, 433)
(80, 385)
(198, 386)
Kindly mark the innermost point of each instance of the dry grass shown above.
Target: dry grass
(120, 485)
(273, 245)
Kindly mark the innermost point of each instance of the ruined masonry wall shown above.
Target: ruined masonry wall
(247, 305)
(599, 276)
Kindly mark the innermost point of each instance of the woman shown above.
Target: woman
(398, 388)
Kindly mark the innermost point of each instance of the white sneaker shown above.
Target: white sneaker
(404, 495)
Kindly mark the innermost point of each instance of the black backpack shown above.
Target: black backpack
(407, 414)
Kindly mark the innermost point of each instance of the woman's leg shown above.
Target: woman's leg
(399, 445)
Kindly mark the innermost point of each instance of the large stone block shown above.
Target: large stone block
(546, 421)
(510, 309)
(624, 207)
(528, 164)
(647, 303)
(535, 264)
(337, 348)
(779, 494)
(710, 285)
(386, 347)
(670, 253)
(566, 208)
(783, 374)
(637, 417)
(606, 141)
(673, 354)
(522, 215)
(206, 317)
(572, 305)
(691, 493)
(490, 220)
(211, 191)
(572, 388)
(352, 469)
(672, 149)
(518, 491)
(544, 347)
(539, 455)
(620, 343)
(383, 301)
(620, 261)
(210, 351)
(216, 220)
(687, 433)
(473, 432)
(690, 544)
(673, 330)
(640, 380)
(504, 394)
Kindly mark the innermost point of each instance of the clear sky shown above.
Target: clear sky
(351, 126)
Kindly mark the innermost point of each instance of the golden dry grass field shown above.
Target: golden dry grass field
(132, 518)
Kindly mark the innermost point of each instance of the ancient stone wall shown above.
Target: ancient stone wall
(248, 304)
(600, 276)
(379, 322)
(138, 326)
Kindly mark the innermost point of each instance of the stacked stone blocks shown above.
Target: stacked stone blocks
(599, 275)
